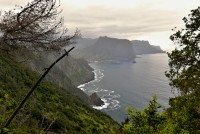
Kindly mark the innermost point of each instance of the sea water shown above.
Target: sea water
(123, 83)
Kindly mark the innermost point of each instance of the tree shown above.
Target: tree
(35, 27)
(184, 75)
(184, 61)
(144, 122)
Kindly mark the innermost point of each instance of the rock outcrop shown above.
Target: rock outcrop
(96, 100)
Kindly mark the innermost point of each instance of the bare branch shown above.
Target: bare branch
(36, 27)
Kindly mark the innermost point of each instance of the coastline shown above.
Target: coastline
(95, 78)
(130, 91)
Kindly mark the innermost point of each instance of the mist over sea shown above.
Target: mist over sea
(121, 84)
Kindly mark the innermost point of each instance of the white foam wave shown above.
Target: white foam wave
(98, 75)
(111, 99)
(114, 105)
(107, 96)
(110, 102)
(106, 104)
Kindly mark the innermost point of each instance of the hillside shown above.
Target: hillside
(144, 47)
(77, 70)
(106, 48)
(68, 73)
(50, 108)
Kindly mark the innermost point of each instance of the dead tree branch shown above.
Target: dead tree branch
(37, 26)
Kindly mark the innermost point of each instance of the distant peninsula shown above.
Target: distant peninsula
(106, 48)
(144, 47)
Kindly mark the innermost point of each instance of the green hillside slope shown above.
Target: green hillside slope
(50, 108)
(67, 73)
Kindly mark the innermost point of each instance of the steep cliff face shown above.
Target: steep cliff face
(106, 48)
(68, 73)
(144, 47)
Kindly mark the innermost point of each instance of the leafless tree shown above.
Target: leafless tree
(37, 26)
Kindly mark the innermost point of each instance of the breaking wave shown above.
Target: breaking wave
(109, 97)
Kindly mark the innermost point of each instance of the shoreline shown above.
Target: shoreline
(95, 78)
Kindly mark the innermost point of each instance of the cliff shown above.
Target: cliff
(68, 73)
(144, 47)
(106, 48)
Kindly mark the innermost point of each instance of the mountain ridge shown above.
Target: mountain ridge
(106, 48)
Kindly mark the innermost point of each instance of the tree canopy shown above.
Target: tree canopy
(144, 122)
(184, 61)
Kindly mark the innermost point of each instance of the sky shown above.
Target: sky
(150, 20)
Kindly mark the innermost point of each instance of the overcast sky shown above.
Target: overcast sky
(131, 19)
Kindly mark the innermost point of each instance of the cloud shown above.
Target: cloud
(130, 19)
(99, 20)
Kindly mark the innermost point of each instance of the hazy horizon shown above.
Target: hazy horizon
(127, 19)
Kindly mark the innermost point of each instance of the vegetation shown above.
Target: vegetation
(144, 122)
(53, 109)
(183, 115)
(77, 70)
(36, 27)
(50, 108)
(184, 73)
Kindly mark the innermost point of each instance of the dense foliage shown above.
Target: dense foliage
(143, 122)
(183, 115)
(184, 63)
(50, 108)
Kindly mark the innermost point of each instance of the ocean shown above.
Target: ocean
(123, 83)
